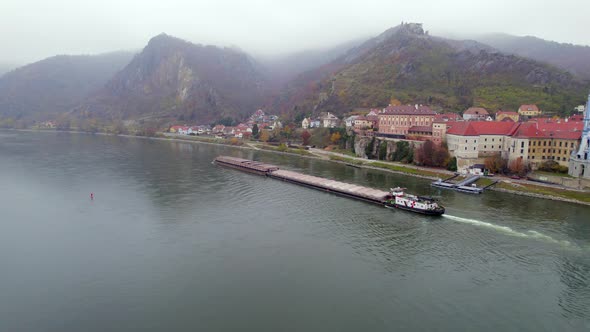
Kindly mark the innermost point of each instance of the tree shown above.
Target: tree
(305, 136)
(255, 131)
(264, 135)
(495, 164)
(452, 165)
(369, 148)
(383, 150)
(517, 166)
(335, 138)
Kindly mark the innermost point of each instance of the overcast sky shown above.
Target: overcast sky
(34, 29)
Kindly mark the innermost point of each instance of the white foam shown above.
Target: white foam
(509, 231)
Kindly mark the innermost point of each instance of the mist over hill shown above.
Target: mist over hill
(573, 58)
(56, 84)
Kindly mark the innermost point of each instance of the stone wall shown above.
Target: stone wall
(361, 142)
(569, 182)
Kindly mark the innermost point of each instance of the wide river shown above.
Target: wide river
(172, 242)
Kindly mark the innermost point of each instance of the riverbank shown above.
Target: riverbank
(505, 185)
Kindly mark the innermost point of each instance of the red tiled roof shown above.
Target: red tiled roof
(476, 111)
(558, 130)
(444, 117)
(409, 110)
(476, 128)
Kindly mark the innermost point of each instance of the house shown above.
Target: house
(316, 123)
(349, 122)
(579, 109)
(218, 129)
(397, 120)
(503, 115)
(475, 114)
(305, 123)
(477, 169)
(329, 120)
(529, 111)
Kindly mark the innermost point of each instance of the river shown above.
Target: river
(173, 242)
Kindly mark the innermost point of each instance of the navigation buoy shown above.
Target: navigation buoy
(91, 195)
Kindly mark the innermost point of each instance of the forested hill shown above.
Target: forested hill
(407, 64)
(175, 79)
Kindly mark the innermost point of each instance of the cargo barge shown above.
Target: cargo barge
(366, 194)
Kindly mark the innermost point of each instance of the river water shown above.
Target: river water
(173, 242)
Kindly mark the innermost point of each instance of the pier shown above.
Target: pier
(340, 188)
(465, 186)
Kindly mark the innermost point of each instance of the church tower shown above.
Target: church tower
(580, 160)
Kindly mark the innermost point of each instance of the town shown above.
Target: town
(476, 141)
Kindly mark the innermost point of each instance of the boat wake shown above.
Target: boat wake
(509, 231)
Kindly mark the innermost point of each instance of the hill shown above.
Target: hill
(56, 84)
(573, 58)
(174, 79)
(408, 64)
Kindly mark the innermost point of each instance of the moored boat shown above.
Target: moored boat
(418, 204)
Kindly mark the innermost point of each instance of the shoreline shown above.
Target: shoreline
(310, 156)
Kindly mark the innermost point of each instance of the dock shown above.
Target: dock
(463, 186)
(340, 188)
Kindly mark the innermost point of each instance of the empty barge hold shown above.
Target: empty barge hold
(246, 165)
(340, 188)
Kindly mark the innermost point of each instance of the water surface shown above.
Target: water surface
(174, 242)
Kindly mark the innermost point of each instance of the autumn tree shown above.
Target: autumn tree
(335, 138)
(495, 164)
(305, 136)
(264, 135)
(517, 166)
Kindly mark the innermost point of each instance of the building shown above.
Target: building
(579, 109)
(529, 111)
(365, 122)
(305, 123)
(439, 126)
(473, 141)
(504, 116)
(330, 120)
(397, 120)
(579, 163)
(475, 114)
(349, 122)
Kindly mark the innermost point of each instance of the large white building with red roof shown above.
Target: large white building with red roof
(534, 142)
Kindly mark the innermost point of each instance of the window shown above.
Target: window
(474, 148)
(465, 141)
(486, 139)
(543, 150)
(485, 146)
(492, 139)
(544, 144)
(465, 148)
(521, 151)
(522, 144)
(572, 145)
(558, 158)
(560, 143)
(533, 157)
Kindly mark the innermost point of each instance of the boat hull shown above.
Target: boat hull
(436, 212)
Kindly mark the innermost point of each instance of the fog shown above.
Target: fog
(35, 29)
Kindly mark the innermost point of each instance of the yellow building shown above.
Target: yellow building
(529, 110)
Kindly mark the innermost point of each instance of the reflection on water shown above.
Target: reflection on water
(172, 242)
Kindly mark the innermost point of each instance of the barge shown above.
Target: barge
(412, 203)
